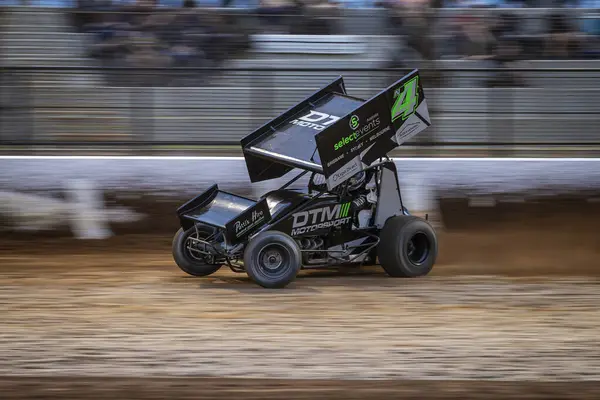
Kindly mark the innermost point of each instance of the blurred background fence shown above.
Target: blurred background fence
(140, 109)
(513, 76)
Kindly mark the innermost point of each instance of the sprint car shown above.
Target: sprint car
(349, 212)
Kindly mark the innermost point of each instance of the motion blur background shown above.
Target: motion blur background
(519, 75)
(88, 287)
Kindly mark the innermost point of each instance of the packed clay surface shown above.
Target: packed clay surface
(509, 303)
(152, 388)
(90, 311)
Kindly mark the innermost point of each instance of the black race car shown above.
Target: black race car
(351, 211)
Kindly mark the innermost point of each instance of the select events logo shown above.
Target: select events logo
(354, 121)
(320, 218)
(372, 123)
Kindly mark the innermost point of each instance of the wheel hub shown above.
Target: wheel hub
(272, 259)
(417, 248)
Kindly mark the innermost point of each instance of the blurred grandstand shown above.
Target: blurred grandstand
(512, 74)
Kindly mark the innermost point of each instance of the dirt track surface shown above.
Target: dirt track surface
(254, 389)
(85, 310)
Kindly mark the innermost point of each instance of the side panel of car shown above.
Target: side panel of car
(240, 227)
(324, 231)
(317, 218)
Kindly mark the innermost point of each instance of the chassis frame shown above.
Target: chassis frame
(230, 254)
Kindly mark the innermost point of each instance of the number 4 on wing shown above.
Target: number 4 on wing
(406, 100)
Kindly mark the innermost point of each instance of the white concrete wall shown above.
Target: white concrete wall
(26, 184)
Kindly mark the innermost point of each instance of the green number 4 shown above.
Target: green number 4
(406, 100)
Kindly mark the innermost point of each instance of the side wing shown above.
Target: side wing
(372, 130)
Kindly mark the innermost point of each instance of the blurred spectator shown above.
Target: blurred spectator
(474, 40)
(412, 23)
(562, 40)
(141, 35)
(320, 16)
(304, 17)
(590, 27)
(187, 33)
(279, 15)
(492, 42)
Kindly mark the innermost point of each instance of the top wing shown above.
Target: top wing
(336, 134)
(372, 130)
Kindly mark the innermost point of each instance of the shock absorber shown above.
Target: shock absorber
(360, 209)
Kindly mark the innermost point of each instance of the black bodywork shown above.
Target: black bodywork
(340, 143)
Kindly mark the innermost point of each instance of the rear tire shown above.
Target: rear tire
(408, 247)
(272, 259)
(188, 262)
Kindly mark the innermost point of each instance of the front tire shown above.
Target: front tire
(189, 261)
(272, 259)
(408, 247)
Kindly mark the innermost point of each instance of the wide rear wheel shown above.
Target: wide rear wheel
(408, 246)
(188, 254)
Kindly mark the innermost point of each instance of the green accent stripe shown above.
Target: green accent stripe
(346, 209)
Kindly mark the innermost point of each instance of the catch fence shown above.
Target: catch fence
(75, 107)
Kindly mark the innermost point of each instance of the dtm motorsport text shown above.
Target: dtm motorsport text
(350, 212)
(320, 218)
